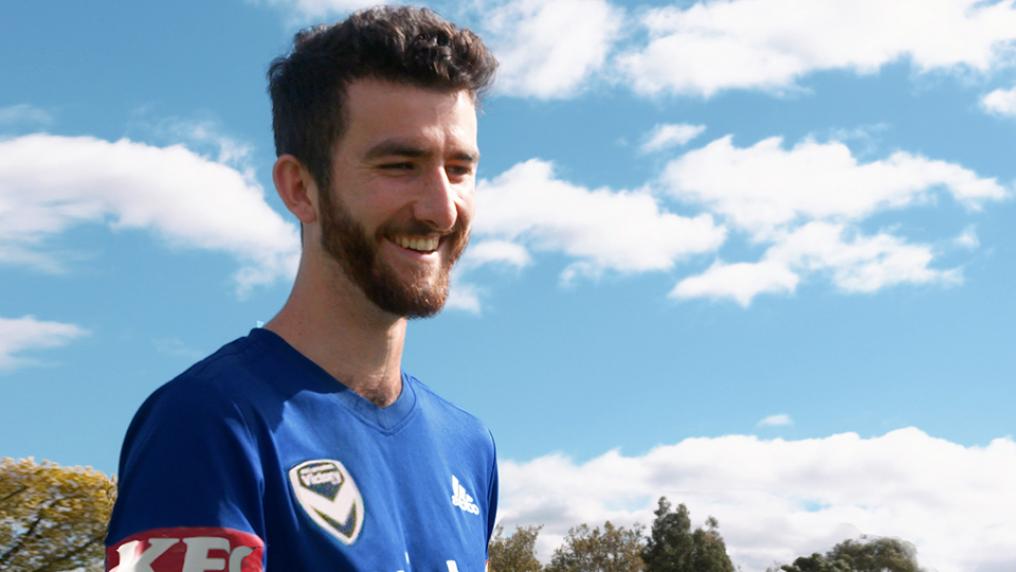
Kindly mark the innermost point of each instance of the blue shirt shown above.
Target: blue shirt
(256, 457)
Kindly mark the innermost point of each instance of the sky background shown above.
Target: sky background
(754, 255)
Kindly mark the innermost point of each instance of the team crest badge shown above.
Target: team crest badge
(327, 492)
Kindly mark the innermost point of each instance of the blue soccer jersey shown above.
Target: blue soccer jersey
(255, 458)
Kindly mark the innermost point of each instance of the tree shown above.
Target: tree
(615, 549)
(864, 555)
(516, 553)
(673, 547)
(52, 518)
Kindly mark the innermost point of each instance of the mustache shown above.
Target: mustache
(418, 227)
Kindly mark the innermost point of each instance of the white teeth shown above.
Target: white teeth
(418, 244)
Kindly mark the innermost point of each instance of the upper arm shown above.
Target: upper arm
(189, 487)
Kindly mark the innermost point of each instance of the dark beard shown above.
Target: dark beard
(348, 243)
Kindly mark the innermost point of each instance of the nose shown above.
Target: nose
(435, 205)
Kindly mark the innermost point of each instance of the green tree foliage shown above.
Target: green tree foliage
(52, 518)
(673, 547)
(864, 555)
(614, 549)
(516, 553)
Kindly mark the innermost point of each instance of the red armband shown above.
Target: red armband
(187, 550)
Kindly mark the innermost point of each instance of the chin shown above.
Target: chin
(420, 298)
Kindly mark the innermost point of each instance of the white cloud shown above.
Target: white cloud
(623, 231)
(1000, 102)
(967, 238)
(777, 420)
(668, 135)
(548, 49)
(24, 113)
(467, 296)
(769, 44)
(204, 134)
(765, 186)
(528, 208)
(805, 204)
(777, 499)
(305, 9)
(740, 282)
(50, 183)
(854, 262)
(18, 335)
(500, 252)
(464, 296)
(858, 263)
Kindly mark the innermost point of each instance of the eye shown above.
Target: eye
(459, 170)
(401, 166)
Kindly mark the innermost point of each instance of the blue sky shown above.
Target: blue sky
(696, 222)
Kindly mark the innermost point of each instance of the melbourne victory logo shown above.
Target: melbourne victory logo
(327, 492)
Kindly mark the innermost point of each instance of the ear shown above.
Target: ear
(296, 188)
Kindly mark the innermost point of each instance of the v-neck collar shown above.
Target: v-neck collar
(385, 419)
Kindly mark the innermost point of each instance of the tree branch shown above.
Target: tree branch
(74, 552)
(14, 494)
(21, 541)
(29, 532)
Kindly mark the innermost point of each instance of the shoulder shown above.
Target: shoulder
(206, 404)
(453, 418)
(218, 383)
(229, 371)
(189, 457)
(429, 398)
(472, 443)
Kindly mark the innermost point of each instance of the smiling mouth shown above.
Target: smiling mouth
(424, 244)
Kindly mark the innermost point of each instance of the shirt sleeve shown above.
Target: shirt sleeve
(190, 486)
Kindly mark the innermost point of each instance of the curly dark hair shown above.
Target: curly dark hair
(402, 44)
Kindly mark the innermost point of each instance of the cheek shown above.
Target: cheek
(376, 205)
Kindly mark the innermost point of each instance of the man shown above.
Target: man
(303, 446)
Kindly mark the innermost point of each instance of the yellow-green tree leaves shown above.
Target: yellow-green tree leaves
(585, 549)
(52, 518)
(515, 553)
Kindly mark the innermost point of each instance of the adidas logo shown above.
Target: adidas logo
(461, 498)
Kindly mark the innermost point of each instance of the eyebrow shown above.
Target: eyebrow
(389, 148)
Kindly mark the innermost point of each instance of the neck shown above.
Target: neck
(329, 320)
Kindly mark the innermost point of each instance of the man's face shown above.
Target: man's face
(403, 175)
